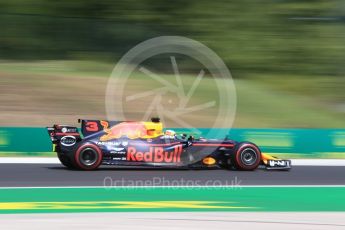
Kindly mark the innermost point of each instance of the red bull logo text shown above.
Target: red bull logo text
(155, 155)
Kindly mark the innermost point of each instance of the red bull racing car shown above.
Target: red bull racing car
(130, 143)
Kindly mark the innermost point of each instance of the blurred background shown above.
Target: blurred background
(287, 56)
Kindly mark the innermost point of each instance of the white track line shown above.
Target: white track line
(176, 220)
(318, 162)
(29, 160)
(53, 160)
(179, 187)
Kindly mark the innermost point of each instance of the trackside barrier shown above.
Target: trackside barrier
(328, 143)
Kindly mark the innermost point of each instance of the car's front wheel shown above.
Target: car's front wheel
(247, 156)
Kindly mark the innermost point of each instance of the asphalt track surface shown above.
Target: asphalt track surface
(55, 175)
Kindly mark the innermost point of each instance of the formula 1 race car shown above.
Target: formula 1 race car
(129, 143)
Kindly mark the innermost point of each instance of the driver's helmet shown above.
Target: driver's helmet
(170, 133)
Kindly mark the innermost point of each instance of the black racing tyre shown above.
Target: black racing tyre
(247, 156)
(65, 160)
(88, 157)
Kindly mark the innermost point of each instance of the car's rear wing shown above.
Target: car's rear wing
(63, 135)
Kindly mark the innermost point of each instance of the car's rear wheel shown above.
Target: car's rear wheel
(88, 157)
(247, 156)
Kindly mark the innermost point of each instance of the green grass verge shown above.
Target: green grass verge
(27, 154)
(237, 198)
